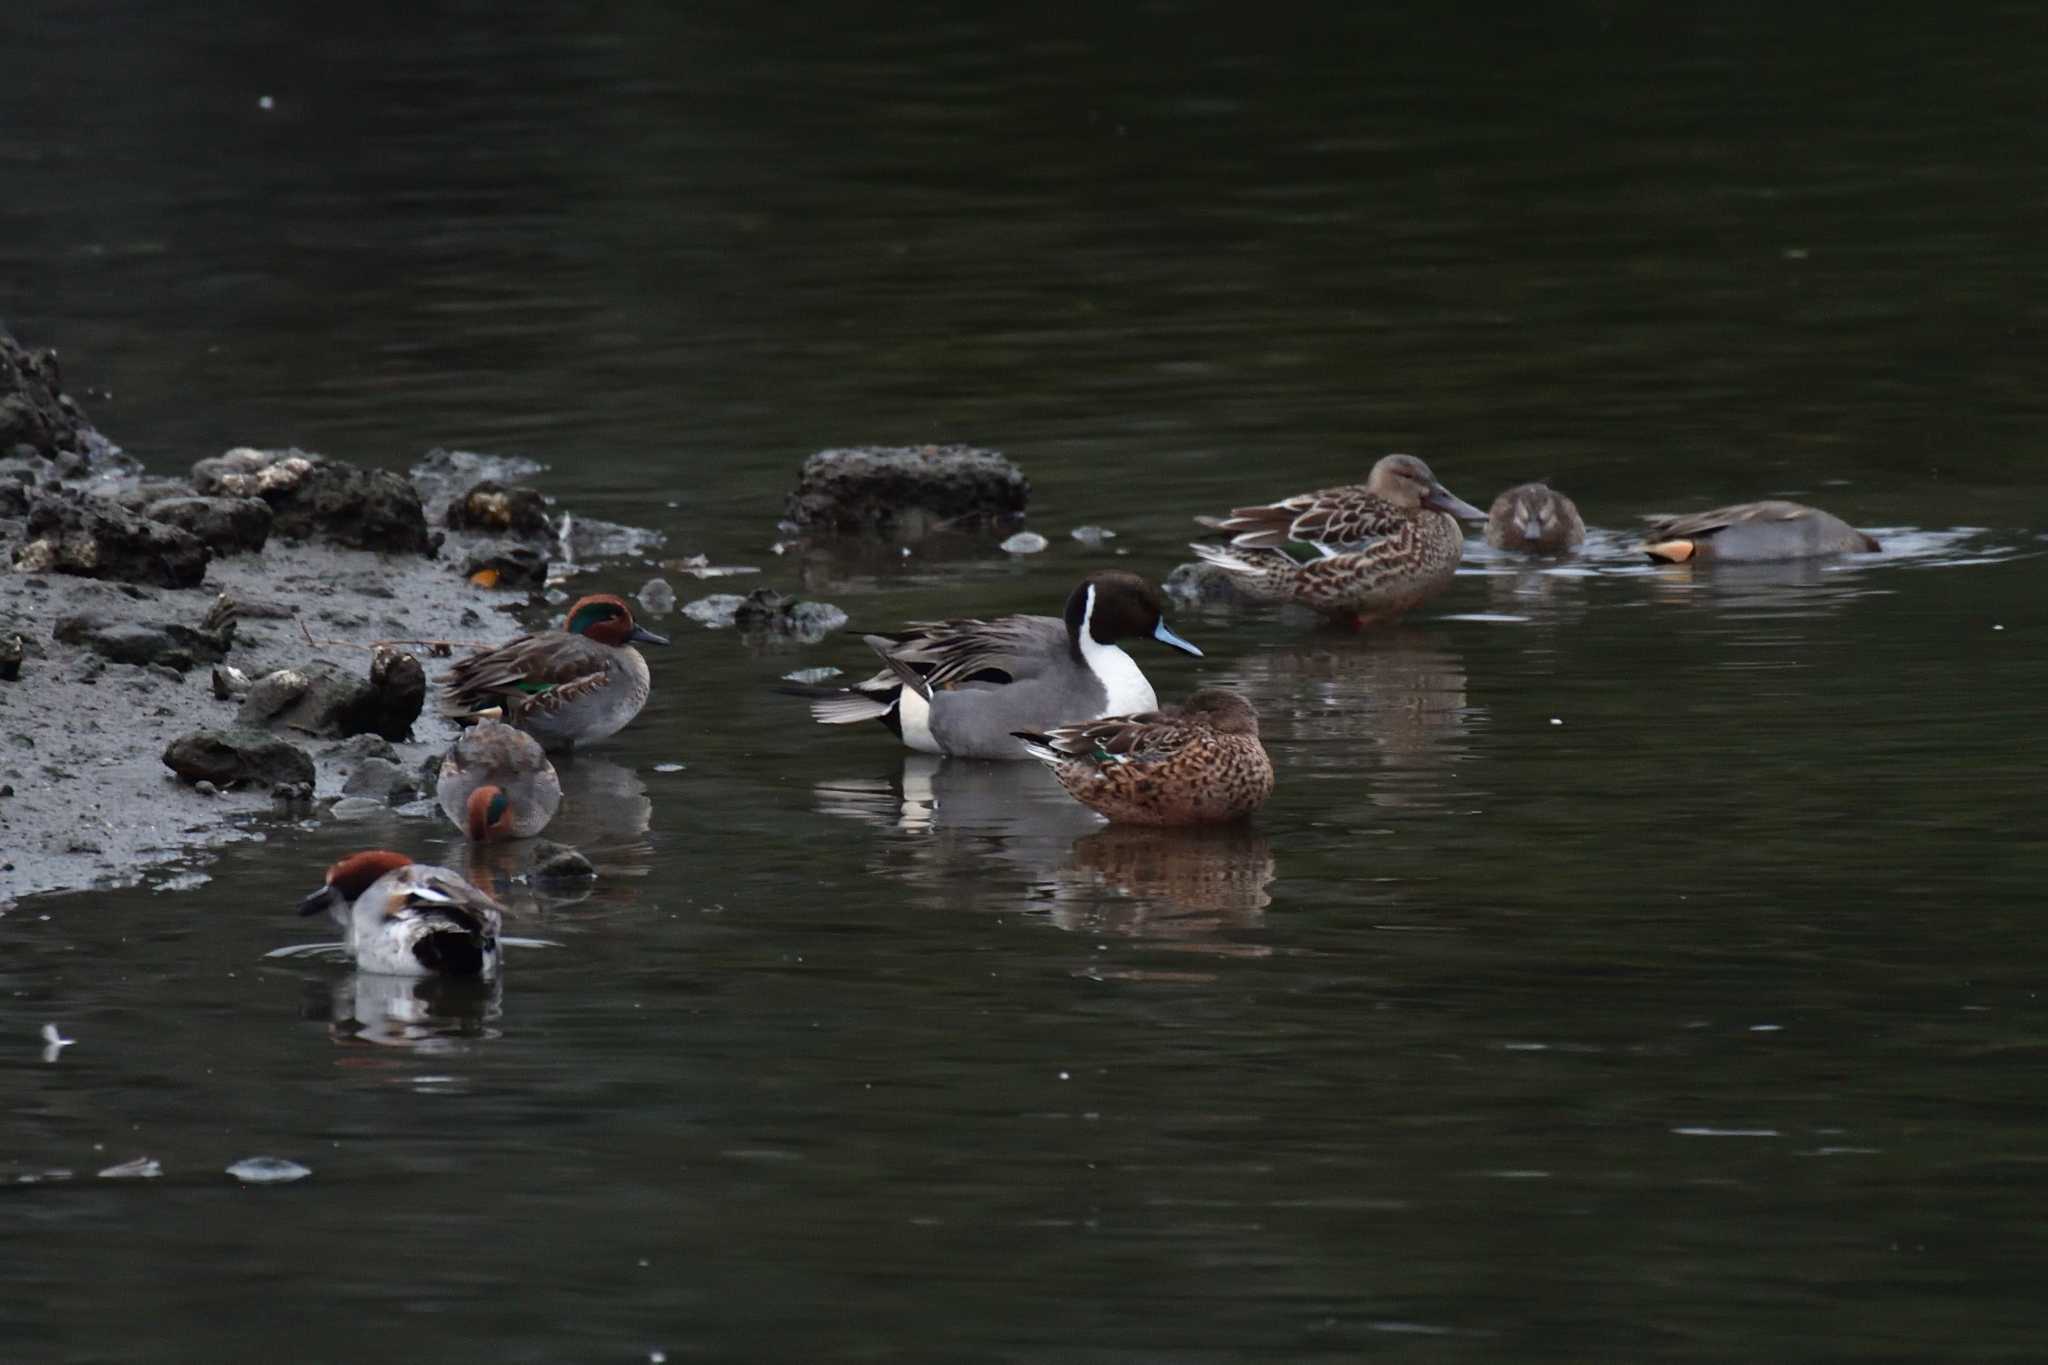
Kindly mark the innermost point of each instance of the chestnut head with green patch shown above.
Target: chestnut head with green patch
(488, 815)
(350, 878)
(609, 621)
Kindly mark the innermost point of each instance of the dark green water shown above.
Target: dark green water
(1631, 965)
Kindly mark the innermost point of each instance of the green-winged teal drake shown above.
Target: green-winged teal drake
(564, 687)
(1199, 763)
(496, 783)
(965, 687)
(1386, 546)
(1753, 532)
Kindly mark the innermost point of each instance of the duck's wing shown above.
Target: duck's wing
(1697, 524)
(934, 656)
(1334, 520)
(534, 671)
(437, 893)
(1149, 736)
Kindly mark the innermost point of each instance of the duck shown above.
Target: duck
(1535, 518)
(1386, 546)
(1754, 532)
(496, 783)
(965, 687)
(403, 918)
(1200, 763)
(564, 687)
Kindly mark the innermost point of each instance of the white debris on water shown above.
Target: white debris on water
(1024, 543)
(811, 675)
(142, 1168)
(268, 1170)
(54, 1043)
(716, 611)
(1093, 536)
(668, 767)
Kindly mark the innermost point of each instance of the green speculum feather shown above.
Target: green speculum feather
(534, 689)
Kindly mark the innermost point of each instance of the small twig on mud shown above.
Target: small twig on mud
(439, 649)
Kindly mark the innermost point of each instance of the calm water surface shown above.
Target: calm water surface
(1632, 964)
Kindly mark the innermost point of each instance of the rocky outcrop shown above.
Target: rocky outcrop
(507, 566)
(326, 700)
(315, 498)
(93, 538)
(491, 506)
(39, 422)
(906, 491)
(227, 525)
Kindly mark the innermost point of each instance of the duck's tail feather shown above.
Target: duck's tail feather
(1039, 747)
(1261, 575)
(842, 705)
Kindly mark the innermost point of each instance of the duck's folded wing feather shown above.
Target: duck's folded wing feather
(932, 656)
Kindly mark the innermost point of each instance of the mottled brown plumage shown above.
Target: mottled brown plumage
(1536, 519)
(1195, 764)
(1387, 546)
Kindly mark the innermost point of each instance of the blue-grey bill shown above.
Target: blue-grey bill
(646, 636)
(1167, 637)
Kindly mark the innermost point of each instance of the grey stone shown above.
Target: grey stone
(226, 757)
(323, 699)
(382, 780)
(173, 646)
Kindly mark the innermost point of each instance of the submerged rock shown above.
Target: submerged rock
(93, 538)
(1024, 543)
(442, 474)
(312, 497)
(227, 525)
(323, 699)
(767, 611)
(1201, 581)
(227, 757)
(554, 862)
(906, 491)
(657, 596)
(173, 646)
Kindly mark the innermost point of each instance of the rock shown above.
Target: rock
(96, 539)
(205, 788)
(37, 419)
(444, 473)
(1024, 543)
(768, 611)
(230, 682)
(226, 757)
(173, 646)
(357, 808)
(657, 596)
(582, 539)
(227, 525)
(492, 506)
(312, 497)
(11, 653)
(554, 862)
(507, 566)
(356, 748)
(14, 495)
(323, 699)
(382, 780)
(1201, 581)
(906, 491)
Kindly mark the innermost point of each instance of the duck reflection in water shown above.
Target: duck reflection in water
(426, 1014)
(1181, 884)
(1399, 694)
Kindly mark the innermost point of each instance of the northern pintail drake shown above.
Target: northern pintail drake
(1754, 532)
(409, 919)
(496, 783)
(564, 687)
(1200, 763)
(1535, 518)
(966, 687)
(1385, 546)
